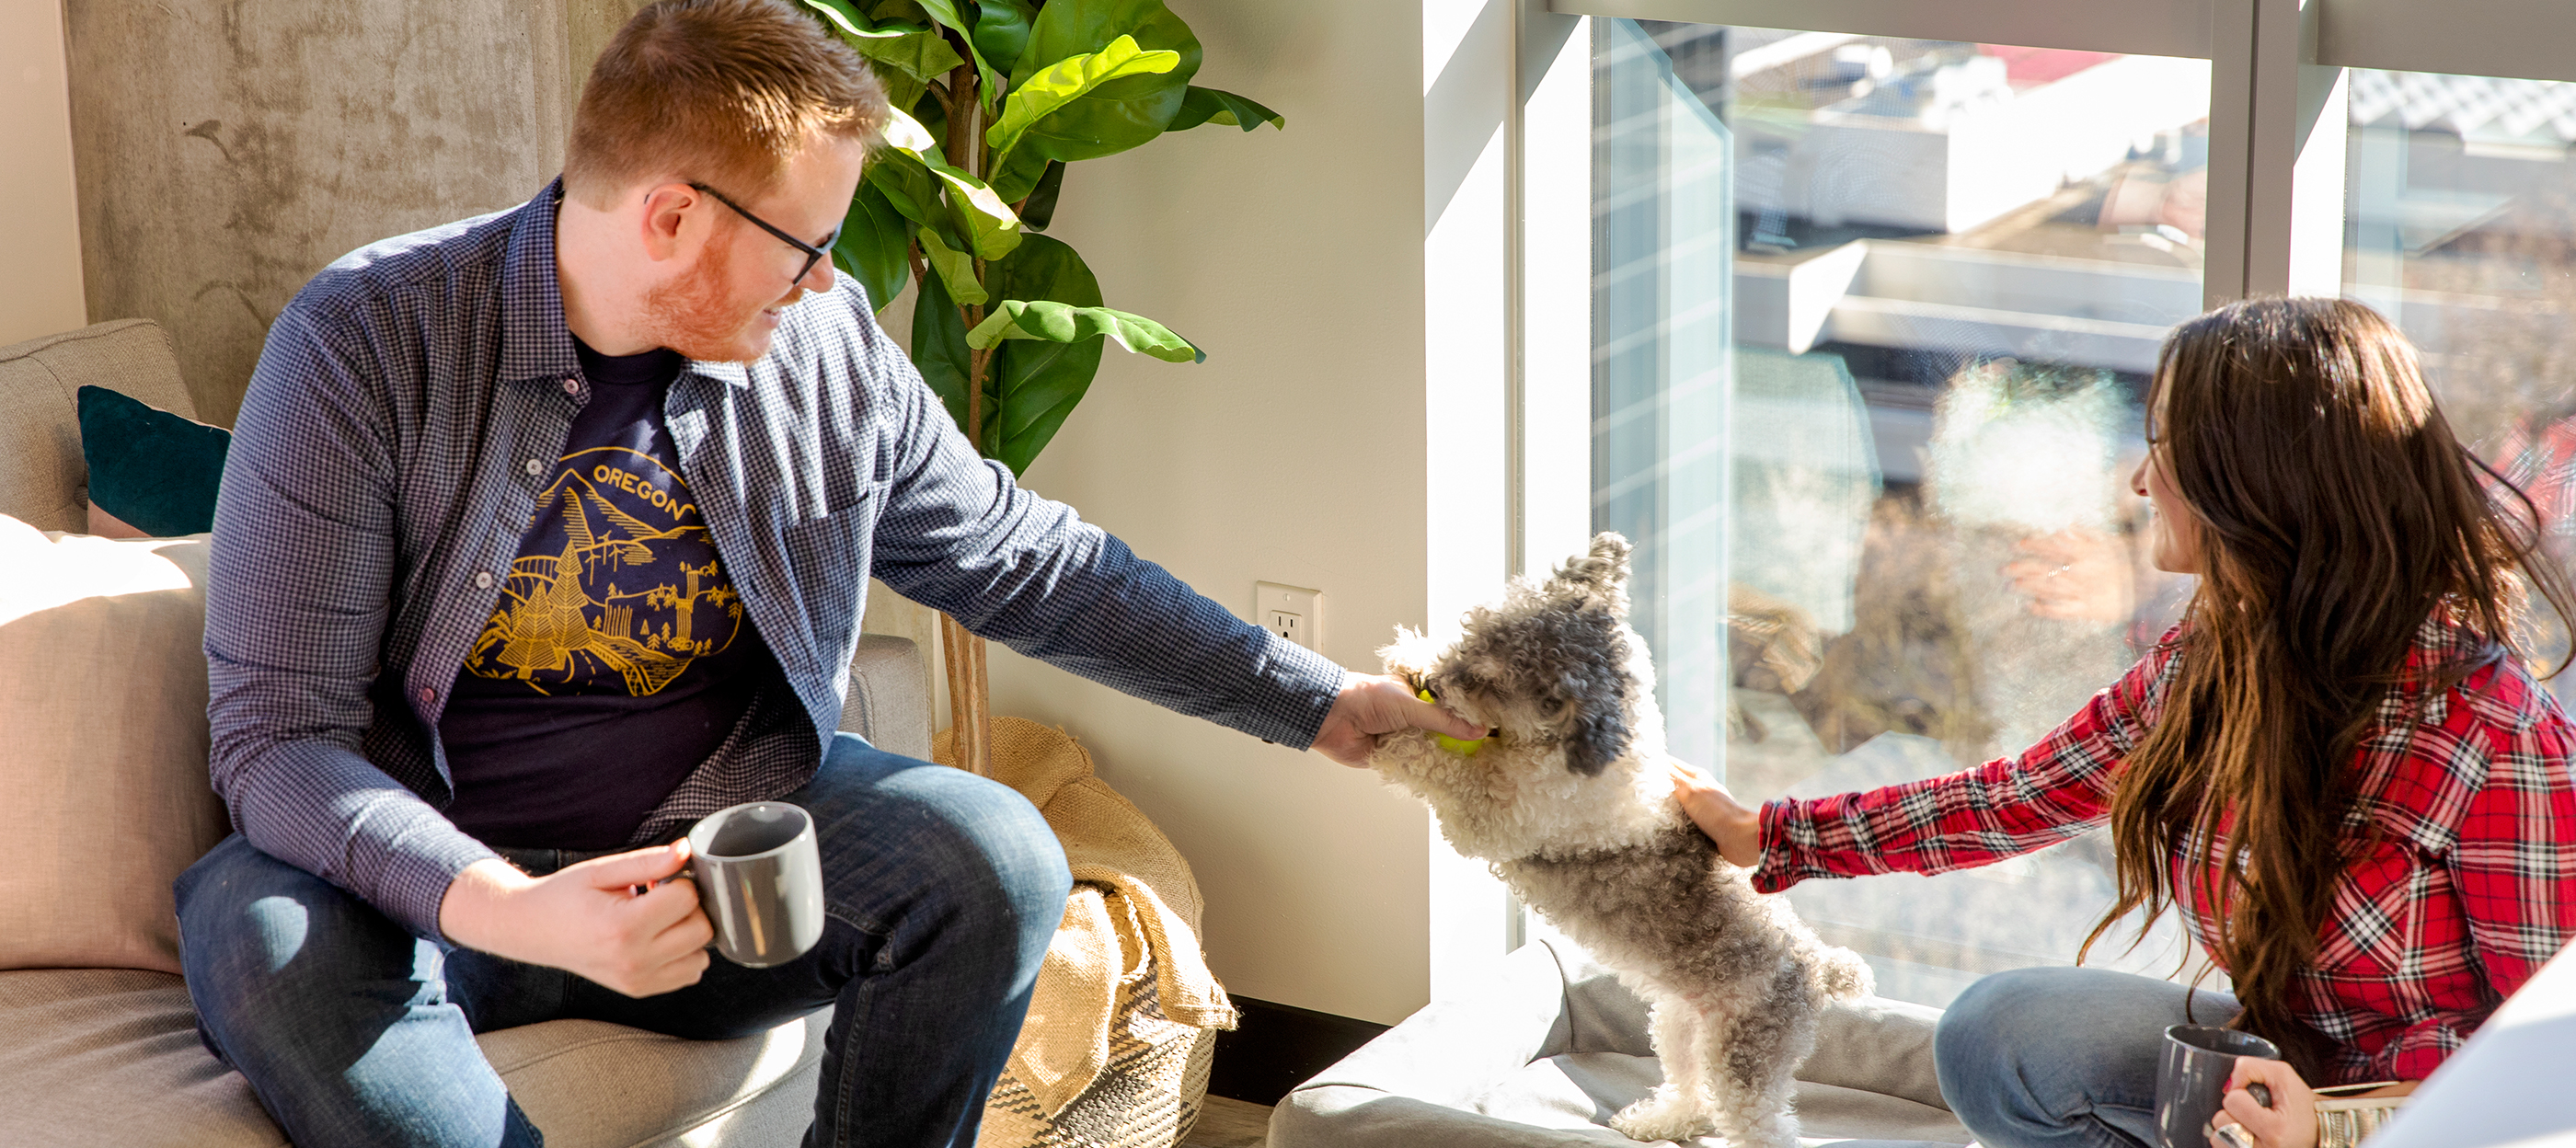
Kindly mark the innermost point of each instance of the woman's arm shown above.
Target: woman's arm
(2051, 792)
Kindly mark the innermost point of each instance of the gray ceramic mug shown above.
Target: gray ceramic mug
(760, 879)
(2191, 1078)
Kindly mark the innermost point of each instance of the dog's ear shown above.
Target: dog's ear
(1599, 738)
(1601, 573)
(1589, 686)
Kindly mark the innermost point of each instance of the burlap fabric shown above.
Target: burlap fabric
(1123, 1025)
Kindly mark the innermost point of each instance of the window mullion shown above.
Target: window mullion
(2276, 139)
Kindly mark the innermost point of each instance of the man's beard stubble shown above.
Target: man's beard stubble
(691, 315)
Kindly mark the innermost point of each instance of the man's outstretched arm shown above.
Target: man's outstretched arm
(959, 535)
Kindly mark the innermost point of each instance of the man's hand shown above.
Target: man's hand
(1372, 706)
(1733, 825)
(588, 918)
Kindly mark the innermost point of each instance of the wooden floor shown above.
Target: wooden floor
(1225, 1123)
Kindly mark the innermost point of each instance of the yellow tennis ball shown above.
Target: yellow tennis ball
(1453, 745)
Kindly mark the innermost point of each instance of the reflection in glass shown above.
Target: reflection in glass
(2460, 224)
(1871, 322)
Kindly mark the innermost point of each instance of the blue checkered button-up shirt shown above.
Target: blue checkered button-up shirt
(409, 407)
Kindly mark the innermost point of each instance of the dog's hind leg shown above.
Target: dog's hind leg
(1754, 1056)
(1680, 1108)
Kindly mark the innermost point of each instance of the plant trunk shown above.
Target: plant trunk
(970, 697)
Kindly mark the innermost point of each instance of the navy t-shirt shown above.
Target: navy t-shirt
(619, 656)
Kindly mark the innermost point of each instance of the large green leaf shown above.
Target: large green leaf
(912, 137)
(875, 246)
(1122, 113)
(1038, 383)
(1037, 209)
(939, 346)
(1064, 323)
(1053, 88)
(913, 49)
(946, 13)
(1002, 30)
(905, 54)
(968, 213)
(987, 223)
(956, 270)
(852, 24)
(922, 56)
(906, 183)
(1020, 174)
(1210, 106)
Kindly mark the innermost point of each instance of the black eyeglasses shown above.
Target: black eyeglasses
(813, 254)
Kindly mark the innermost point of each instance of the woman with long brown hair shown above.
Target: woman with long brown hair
(2338, 767)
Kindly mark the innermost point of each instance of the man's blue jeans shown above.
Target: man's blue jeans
(942, 890)
(2062, 1058)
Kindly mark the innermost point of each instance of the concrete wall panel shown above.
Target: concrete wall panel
(228, 149)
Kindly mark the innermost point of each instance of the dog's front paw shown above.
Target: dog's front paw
(1665, 1115)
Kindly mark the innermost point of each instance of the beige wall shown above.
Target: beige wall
(40, 269)
(1301, 452)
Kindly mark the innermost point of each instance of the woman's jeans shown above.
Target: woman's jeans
(2061, 1058)
(942, 890)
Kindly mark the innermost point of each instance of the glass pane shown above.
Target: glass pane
(2460, 224)
(1871, 319)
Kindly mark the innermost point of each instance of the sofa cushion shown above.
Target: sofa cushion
(103, 681)
(151, 473)
(42, 478)
(111, 1057)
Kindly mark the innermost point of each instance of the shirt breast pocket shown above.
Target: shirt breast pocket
(827, 557)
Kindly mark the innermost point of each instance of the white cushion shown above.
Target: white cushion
(103, 684)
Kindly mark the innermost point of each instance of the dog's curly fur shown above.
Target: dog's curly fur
(1571, 803)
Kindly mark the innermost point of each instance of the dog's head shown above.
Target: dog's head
(1553, 669)
(1548, 665)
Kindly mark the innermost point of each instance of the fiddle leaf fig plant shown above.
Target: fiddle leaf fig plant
(992, 99)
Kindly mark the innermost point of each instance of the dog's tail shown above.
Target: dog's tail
(1840, 974)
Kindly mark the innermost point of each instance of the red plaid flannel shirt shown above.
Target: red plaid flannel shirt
(2469, 889)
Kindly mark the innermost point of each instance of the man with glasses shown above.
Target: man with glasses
(544, 534)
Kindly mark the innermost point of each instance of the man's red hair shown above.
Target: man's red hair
(722, 92)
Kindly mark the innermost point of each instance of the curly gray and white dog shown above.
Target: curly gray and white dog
(1571, 803)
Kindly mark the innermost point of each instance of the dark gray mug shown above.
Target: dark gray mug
(760, 879)
(2191, 1078)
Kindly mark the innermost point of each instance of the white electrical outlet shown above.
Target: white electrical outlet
(1292, 612)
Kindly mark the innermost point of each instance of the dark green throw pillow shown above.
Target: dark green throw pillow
(152, 469)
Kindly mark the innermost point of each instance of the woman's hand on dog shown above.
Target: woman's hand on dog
(1735, 826)
(1372, 706)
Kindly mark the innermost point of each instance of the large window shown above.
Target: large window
(2460, 224)
(1862, 322)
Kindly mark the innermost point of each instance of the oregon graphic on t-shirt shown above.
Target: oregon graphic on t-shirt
(616, 589)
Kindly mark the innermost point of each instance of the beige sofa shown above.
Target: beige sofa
(105, 722)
